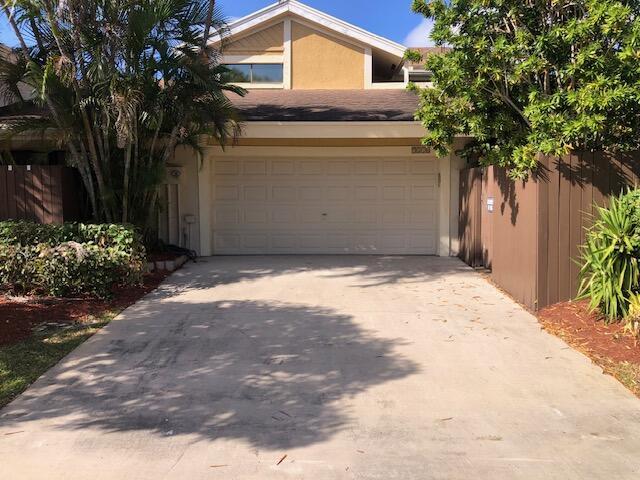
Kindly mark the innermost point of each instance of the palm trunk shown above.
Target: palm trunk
(125, 184)
(16, 30)
(207, 25)
(88, 131)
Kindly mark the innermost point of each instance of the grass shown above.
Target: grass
(22, 363)
(625, 372)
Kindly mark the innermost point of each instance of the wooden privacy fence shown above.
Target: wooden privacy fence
(44, 194)
(529, 232)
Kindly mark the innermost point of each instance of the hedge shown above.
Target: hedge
(70, 259)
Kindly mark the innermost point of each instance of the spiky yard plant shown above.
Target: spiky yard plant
(122, 83)
(610, 274)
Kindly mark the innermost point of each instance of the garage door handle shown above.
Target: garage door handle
(324, 214)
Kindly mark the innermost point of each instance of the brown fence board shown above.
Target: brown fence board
(553, 244)
(4, 201)
(555, 207)
(542, 272)
(575, 222)
(38, 193)
(470, 221)
(47, 196)
(565, 187)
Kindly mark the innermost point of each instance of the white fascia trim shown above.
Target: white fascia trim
(368, 68)
(283, 130)
(287, 54)
(316, 16)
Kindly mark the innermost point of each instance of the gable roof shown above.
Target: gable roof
(425, 52)
(316, 16)
(327, 105)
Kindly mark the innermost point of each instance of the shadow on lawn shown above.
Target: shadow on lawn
(265, 372)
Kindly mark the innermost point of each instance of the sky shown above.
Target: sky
(392, 19)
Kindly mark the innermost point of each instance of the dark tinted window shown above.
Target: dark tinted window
(255, 73)
(238, 73)
(420, 76)
(267, 73)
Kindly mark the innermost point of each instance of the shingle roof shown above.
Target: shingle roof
(425, 52)
(327, 105)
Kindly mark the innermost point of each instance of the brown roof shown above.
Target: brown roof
(425, 52)
(327, 105)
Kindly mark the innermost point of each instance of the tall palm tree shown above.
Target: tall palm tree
(123, 83)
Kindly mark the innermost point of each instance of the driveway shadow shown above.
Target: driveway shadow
(271, 374)
(365, 270)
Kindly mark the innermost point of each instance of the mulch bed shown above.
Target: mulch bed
(589, 333)
(21, 317)
(162, 256)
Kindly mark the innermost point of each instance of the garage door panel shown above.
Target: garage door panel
(325, 205)
(392, 217)
(227, 167)
(311, 167)
(284, 215)
(281, 193)
(394, 167)
(339, 167)
(255, 193)
(338, 193)
(423, 167)
(395, 192)
(256, 216)
(283, 167)
(230, 192)
(369, 167)
(365, 216)
(423, 192)
(310, 193)
(366, 192)
(422, 217)
(226, 215)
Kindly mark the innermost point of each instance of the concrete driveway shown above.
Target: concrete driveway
(323, 368)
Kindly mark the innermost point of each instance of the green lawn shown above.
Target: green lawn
(22, 363)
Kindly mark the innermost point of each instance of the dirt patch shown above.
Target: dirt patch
(609, 346)
(22, 317)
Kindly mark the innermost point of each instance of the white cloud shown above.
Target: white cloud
(420, 36)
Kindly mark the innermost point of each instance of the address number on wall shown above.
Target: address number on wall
(420, 150)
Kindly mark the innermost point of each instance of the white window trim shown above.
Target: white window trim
(268, 58)
(260, 86)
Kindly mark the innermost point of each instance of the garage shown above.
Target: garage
(290, 200)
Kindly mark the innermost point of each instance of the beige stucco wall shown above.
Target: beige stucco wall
(189, 203)
(268, 40)
(321, 61)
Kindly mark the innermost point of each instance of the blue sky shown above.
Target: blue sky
(390, 18)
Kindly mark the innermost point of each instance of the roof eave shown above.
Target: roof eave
(327, 21)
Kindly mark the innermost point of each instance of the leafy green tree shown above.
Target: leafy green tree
(533, 76)
(123, 83)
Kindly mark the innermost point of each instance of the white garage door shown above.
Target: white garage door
(363, 205)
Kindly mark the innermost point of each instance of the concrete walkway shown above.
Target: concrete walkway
(323, 368)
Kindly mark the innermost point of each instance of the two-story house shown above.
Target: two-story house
(330, 159)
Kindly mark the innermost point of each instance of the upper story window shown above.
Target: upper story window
(420, 76)
(255, 73)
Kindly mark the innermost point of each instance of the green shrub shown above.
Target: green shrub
(70, 259)
(610, 274)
